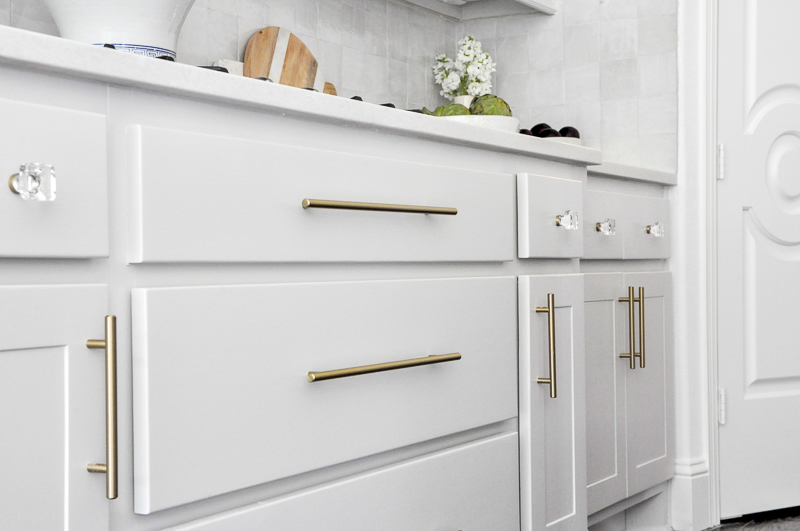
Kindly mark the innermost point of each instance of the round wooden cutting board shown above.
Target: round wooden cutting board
(278, 54)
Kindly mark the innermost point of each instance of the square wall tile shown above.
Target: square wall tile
(580, 11)
(658, 74)
(657, 7)
(547, 87)
(658, 115)
(620, 118)
(618, 9)
(582, 83)
(512, 54)
(581, 44)
(658, 34)
(619, 39)
(545, 48)
(619, 79)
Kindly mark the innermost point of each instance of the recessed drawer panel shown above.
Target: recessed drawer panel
(603, 230)
(550, 217)
(472, 487)
(647, 228)
(222, 397)
(71, 145)
(204, 198)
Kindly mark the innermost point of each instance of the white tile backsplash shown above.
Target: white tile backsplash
(607, 67)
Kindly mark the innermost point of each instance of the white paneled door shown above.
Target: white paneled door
(759, 255)
(52, 421)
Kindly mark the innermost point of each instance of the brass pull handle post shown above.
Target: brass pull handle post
(378, 207)
(110, 469)
(314, 376)
(641, 328)
(631, 354)
(551, 325)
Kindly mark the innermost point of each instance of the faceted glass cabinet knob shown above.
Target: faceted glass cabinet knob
(657, 229)
(569, 220)
(34, 182)
(607, 227)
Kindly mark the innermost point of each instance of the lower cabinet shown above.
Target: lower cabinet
(552, 403)
(473, 487)
(52, 421)
(629, 402)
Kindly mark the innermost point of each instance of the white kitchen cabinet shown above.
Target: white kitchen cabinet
(630, 411)
(552, 420)
(549, 217)
(52, 408)
(471, 487)
(223, 393)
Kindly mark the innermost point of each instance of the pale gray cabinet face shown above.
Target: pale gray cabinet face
(540, 200)
(222, 400)
(207, 198)
(606, 338)
(52, 408)
(472, 486)
(649, 391)
(601, 207)
(552, 430)
(74, 143)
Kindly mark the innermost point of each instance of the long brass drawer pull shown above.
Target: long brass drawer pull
(109, 344)
(380, 367)
(551, 325)
(631, 299)
(378, 207)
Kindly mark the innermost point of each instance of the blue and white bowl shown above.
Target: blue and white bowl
(143, 27)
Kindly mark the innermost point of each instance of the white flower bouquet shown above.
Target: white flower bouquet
(469, 75)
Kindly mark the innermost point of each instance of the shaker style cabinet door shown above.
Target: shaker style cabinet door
(552, 408)
(649, 395)
(52, 422)
(606, 329)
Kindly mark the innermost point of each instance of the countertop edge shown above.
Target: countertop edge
(26, 49)
(633, 173)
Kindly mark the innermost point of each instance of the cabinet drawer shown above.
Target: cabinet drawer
(221, 395)
(644, 212)
(204, 198)
(75, 225)
(541, 201)
(475, 487)
(636, 219)
(602, 207)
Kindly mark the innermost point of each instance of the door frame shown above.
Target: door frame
(695, 498)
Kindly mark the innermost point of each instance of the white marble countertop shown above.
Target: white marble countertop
(26, 49)
(633, 173)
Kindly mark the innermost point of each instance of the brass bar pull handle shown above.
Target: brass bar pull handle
(315, 376)
(641, 328)
(110, 469)
(551, 325)
(378, 207)
(631, 354)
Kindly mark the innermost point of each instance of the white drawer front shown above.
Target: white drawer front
(204, 198)
(473, 487)
(602, 207)
(644, 212)
(540, 201)
(74, 143)
(221, 395)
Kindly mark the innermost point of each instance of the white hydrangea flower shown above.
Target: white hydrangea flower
(470, 73)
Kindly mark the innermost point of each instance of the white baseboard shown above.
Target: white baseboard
(691, 500)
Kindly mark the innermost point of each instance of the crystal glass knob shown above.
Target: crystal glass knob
(607, 227)
(657, 229)
(569, 220)
(34, 182)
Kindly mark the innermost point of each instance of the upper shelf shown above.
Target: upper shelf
(472, 9)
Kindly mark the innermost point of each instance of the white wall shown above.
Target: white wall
(607, 67)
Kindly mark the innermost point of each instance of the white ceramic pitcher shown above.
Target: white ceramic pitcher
(144, 27)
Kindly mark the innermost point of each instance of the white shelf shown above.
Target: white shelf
(472, 9)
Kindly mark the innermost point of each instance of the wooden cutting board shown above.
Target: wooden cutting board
(278, 54)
